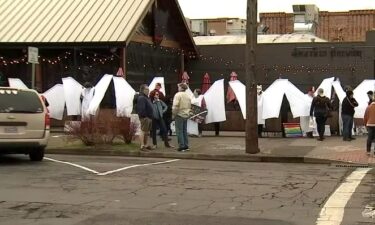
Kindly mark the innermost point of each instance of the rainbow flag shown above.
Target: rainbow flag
(292, 130)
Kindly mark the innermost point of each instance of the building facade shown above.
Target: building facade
(303, 63)
(218, 26)
(332, 26)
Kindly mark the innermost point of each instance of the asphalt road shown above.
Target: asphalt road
(88, 190)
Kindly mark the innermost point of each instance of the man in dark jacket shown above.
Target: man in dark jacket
(145, 112)
(347, 114)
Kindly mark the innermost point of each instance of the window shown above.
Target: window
(18, 101)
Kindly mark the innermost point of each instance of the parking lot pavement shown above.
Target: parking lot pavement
(64, 190)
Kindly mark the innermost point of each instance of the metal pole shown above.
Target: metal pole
(251, 84)
(33, 76)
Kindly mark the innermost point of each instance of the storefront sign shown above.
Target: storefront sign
(326, 53)
(32, 56)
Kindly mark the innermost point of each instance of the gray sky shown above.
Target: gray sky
(237, 8)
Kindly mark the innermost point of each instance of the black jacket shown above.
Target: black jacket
(144, 107)
(348, 106)
(320, 106)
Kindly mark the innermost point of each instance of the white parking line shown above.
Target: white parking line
(333, 211)
(111, 171)
(138, 165)
(73, 164)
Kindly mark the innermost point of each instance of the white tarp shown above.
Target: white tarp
(299, 103)
(273, 98)
(17, 83)
(72, 94)
(239, 90)
(124, 97)
(327, 87)
(190, 93)
(339, 90)
(192, 126)
(56, 101)
(155, 81)
(100, 89)
(215, 102)
(360, 94)
(87, 95)
(260, 109)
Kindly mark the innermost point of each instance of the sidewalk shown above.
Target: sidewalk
(231, 146)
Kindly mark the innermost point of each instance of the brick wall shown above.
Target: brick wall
(333, 26)
(278, 23)
(219, 25)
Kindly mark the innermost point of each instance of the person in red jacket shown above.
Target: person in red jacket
(369, 121)
(157, 90)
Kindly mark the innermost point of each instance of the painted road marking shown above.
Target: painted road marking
(333, 211)
(138, 165)
(111, 171)
(73, 164)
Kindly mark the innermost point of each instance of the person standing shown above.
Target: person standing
(159, 109)
(86, 95)
(369, 121)
(347, 114)
(157, 90)
(181, 112)
(320, 108)
(145, 112)
(370, 95)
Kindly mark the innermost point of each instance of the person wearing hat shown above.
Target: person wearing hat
(320, 108)
(370, 95)
(347, 114)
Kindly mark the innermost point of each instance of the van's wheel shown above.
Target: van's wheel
(37, 154)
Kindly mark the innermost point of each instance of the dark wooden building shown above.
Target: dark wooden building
(303, 61)
(86, 39)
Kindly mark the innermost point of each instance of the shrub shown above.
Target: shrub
(101, 130)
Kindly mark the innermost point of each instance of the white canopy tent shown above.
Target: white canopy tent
(72, 93)
(124, 97)
(17, 83)
(239, 90)
(56, 101)
(360, 94)
(215, 102)
(273, 97)
(326, 85)
(100, 89)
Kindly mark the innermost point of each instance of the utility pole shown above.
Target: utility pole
(251, 84)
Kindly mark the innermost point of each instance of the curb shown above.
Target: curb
(195, 156)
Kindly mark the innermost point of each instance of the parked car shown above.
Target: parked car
(24, 123)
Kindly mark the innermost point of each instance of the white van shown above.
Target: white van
(24, 123)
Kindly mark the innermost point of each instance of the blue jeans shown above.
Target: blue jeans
(347, 126)
(181, 132)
